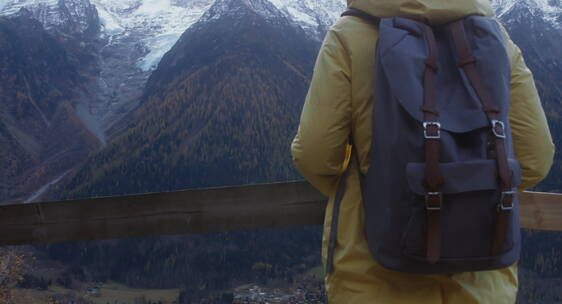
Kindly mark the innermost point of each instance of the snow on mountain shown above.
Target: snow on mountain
(314, 16)
(550, 10)
(236, 8)
(70, 16)
(156, 24)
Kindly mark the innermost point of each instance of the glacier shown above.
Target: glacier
(157, 24)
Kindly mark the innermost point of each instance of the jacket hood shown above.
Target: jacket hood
(434, 12)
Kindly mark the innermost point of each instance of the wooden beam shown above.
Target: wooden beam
(200, 211)
(541, 211)
(180, 212)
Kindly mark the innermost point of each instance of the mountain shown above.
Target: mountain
(549, 11)
(220, 109)
(73, 23)
(116, 45)
(126, 39)
(41, 130)
(135, 34)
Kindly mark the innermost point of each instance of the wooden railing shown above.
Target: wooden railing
(199, 211)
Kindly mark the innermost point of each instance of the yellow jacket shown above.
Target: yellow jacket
(339, 103)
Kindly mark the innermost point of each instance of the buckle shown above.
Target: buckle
(506, 201)
(500, 124)
(427, 124)
(433, 200)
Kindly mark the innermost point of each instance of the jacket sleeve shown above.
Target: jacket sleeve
(532, 141)
(319, 147)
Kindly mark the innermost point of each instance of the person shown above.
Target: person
(339, 103)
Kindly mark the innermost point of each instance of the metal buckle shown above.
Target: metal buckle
(431, 123)
(501, 206)
(430, 196)
(496, 123)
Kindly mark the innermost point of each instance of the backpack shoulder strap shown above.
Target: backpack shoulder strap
(467, 63)
(363, 15)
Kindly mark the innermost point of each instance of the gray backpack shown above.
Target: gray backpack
(439, 196)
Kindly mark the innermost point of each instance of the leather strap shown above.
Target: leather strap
(335, 218)
(433, 178)
(336, 208)
(468, 63)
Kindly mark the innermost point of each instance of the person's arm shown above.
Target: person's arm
(532, 141)
(319, 147)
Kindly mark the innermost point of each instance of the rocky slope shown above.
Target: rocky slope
(40, 127)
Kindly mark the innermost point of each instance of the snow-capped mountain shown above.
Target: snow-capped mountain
(239, 8)
(314, 16)
(134, 35)
(158, 24)
(132, 38)
(549, 10)
(151, 27)
(68, 16)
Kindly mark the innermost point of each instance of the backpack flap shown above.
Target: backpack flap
(403, 57)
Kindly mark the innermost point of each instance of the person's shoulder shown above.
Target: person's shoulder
(350, 33)
(350, 24)
(349, 30)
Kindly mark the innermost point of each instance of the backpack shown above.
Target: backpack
(439, 196)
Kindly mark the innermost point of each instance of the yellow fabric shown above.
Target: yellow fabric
(339, 103)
